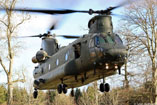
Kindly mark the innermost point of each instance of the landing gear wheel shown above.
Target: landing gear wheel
(64, 89)
(59, 88)
(72, 93)
(35, 94)
(107, 87)
(102, 87)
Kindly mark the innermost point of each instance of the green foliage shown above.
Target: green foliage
(3, 94)
(90, 96)
(62, 99)
(20, 96)
(51, 96)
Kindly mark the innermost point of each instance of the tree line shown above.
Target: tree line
(90, 96)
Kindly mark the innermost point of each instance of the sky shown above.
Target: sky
(71, 24)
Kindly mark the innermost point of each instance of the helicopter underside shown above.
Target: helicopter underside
(72, 82)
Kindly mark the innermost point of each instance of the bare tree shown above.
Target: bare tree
(142, 20)
(134, 49)
(9, 43)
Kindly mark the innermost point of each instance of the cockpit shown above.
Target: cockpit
(108, 45)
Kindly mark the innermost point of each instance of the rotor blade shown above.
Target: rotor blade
(121, 4)
(64, 11)
(28, 36)
(40, 35)
(68, 36)
(53, 26)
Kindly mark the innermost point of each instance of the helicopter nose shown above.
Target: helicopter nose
(117, 52)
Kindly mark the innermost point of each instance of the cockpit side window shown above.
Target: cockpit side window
(118, 39)
(91, 23)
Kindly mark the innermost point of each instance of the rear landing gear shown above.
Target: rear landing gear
(59, 88)
(35, 93)
(107, 87)
(62, 88)
(104, 87)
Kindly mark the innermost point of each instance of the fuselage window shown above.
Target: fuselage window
(49, 67)
(66, 56)
(57, 62)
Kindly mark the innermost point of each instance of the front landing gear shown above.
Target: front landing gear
(35, 93)
(62, 88)
(104, 87)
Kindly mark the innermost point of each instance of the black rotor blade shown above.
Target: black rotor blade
(64, 11)
(120, 5)
(40, 35)
(68, 36)
(53, 26)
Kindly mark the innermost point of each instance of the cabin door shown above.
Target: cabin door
(77, 50)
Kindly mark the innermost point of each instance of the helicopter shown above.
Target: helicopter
(91, 57)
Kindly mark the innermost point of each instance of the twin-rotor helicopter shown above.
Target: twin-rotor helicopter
(91, 57)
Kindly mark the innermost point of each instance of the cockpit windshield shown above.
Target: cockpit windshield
(109, 39)
(99, 40)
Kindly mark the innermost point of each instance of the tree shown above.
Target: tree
(142, 20)
(134, 52)
(8, 41)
